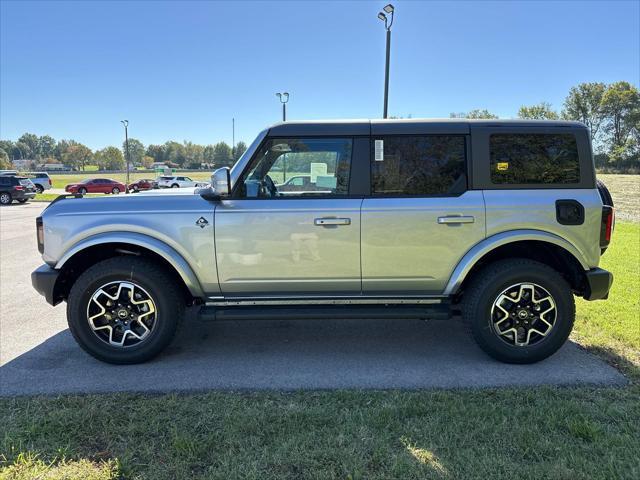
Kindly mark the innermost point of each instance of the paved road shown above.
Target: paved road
(38, 355)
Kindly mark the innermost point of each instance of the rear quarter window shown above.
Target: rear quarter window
(523, 158)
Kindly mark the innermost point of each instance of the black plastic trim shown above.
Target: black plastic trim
(44, 280)
(599, 283)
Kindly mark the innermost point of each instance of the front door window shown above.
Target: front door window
(297, 167)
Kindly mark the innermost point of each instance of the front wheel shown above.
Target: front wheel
(124, 310)
(519, 310)
(82, 191)
(175, 185)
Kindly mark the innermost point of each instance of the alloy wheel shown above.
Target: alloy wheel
(5, 199)
(523, 314)
(121, 314)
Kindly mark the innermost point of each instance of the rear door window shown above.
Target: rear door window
(534, 158)
(421, 165)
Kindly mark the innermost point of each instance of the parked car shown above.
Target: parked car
(297, 182)
(143, 184)
(41, 180)
(96, 185)
(178, 182)
(13, 187)
(503, 221)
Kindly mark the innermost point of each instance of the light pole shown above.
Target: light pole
(284, 98)
(388, 21)
(126, 146)
(233, 138)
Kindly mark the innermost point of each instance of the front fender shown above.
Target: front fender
(488, 244)
(165, 251)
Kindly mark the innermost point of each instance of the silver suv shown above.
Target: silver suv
(501, 221)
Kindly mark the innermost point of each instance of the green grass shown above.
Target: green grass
(612, 327)
(525, 433)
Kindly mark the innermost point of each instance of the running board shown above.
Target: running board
(321, 312)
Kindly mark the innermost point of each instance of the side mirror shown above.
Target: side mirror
(221, 182)
(220, 185)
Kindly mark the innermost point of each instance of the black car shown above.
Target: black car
(15, 188)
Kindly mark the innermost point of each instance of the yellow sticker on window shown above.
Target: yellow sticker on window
(503, 166)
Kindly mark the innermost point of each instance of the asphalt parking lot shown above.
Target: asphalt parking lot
(39, 356)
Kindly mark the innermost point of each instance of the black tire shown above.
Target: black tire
(82, 191)
(5, 198)
(39, 188)
(161, 288)
(175, 185)
(135, 189)
(490, 282)
(115, 190)
(605, 195)
(22, 200)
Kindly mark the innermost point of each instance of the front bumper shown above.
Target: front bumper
(599, 283)
(44, 280)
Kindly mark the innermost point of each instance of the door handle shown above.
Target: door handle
(456, 220)
(323, 222)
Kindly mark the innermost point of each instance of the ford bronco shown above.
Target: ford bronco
(499, 222)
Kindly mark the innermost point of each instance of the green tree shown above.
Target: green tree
(77, 155)
(46, 146)
(541, 111)
(5, 163)
(621, 105)
(147, 161)
(208, 154)
(194, 154)
(136, 151)
(29, 145)
(474, 114)
(174, 152)
(584, 104)
(157, 152)
(222, 154)
(7, 146)
(239, 149)
(109, 158)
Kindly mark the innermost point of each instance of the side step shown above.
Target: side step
(318, 312)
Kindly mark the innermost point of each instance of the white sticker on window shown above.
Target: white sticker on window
(379, 150)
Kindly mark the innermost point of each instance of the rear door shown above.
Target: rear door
(420, 218)
(272, 240)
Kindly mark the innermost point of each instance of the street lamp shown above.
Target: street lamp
(126, 143)
(284, 98)
(388, 21)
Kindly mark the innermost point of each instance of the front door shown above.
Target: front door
(277, 237)
(420, 219)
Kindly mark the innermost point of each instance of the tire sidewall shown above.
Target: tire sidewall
(167, 316)
(483, 329)
(3, 198)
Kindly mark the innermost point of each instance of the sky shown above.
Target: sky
(182, 70)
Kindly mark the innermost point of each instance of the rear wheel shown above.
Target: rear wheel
(39, 188)
(519, 310)
(5, 198)
(124, 310)
(22, 200)
(115, 190)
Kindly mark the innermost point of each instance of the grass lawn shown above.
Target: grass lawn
(550, 433)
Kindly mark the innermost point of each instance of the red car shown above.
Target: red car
(143, 184)
(96, 185)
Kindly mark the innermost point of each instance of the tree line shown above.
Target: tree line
(46, 150)
(611, 112)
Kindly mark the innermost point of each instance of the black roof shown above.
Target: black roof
(404, 126)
